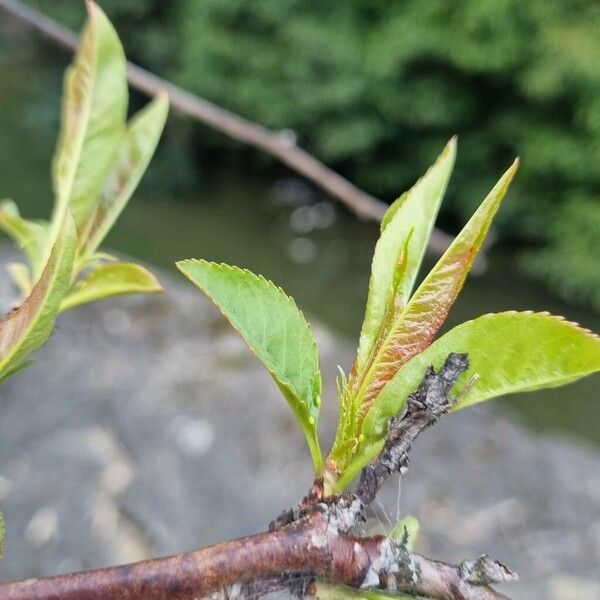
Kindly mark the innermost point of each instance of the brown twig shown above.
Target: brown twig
(310, 546)
(281, 145)
(315, 542)
(423, 408)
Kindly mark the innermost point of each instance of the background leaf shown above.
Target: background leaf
(275, 329)
(93, 117)
(113, 279)
(30, 324)
(134, 153)
(405, 228)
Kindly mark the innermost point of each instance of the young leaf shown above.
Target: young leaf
(334, 591)
(93, 117)
(30, 236)
(111, 279)
(29, 325)
(129, 164)
(412, 329)
(405, 231)
(275, 330)
(508, 352)
(407, 530)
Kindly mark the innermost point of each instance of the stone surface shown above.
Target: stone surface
(146, 427)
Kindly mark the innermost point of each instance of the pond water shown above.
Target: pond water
(315, 250)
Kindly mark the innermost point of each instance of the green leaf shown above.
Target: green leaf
(30, 236)
(30, 324)
(275, 330)
(413, 328)
(129, 164)
(108, 280)
(407, 530)
(2, 534)
(334, 591)
(405, 231)
(508, 352)
(93, 118)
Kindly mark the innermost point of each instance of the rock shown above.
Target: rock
(146, 427)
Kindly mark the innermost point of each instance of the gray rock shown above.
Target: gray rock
(146, 427)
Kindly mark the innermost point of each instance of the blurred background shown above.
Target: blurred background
(374, 89)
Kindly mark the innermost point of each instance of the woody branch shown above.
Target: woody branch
(314, 542)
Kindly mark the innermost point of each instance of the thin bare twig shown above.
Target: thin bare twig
(281, 145)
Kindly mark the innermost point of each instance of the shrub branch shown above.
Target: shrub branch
(310, 543)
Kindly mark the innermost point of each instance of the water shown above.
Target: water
(316, 251)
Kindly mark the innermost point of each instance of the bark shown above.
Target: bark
(311, 546)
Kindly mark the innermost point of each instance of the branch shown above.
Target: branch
(311, 546)
(423, 408)
(281, 145)
(315, 542)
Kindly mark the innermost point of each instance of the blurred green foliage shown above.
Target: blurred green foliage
(375, 88)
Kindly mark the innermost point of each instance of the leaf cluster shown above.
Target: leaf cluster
(508, 352)
(98, 162)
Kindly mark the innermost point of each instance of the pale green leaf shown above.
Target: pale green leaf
(275, 329)
(508, 353)
(406, 530)
(113, 279)
(30, 236)
(93, 118)
(405, 232)
(334, 591)
(129, 164)
(30, 324)
(413, 328)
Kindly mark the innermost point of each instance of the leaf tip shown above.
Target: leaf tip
(514, 167)
(92, 9)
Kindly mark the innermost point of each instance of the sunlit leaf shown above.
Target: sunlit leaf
(131, 160)
(30, 236)
(413, 328)
(93, 118)
(275, 329)
(405, 232)
(508, 353)
(113, 279)
(30, 324)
